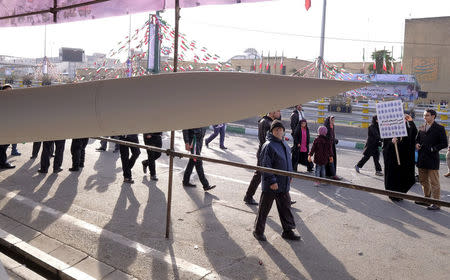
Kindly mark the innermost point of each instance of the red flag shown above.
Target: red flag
(307, 4)
(401, 67)
(374, 65)
(392, 68)
(261, 61)
(281, 61)
(384, 64)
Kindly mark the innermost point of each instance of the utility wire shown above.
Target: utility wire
(318, 37)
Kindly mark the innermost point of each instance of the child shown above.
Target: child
(321, 149)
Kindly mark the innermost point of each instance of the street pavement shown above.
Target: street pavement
(346, 234)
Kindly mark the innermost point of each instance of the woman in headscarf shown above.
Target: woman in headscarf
(400, 178)
(300, 149)
(330, 169)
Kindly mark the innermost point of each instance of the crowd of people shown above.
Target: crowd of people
(274, 152)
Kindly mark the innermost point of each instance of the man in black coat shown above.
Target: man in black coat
(275, 154)
(47, 153)
(263, 127)
(430, 140)
(296, 116)
(4, 164)
(193, 140)
(78, 151)
(152, 139)
(127, 160)
(371, 149)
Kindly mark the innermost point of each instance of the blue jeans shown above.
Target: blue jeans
(320, 171)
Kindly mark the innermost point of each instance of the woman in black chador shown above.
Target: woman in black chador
(400, 178)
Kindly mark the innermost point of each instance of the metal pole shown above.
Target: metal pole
(172, 133)
(322, 39)
(157, 45)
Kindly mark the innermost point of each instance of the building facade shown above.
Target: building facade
(427, 55)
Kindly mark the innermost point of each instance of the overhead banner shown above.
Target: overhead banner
(391, 119)
(381, 92)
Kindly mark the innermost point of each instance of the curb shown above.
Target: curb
(239, 129)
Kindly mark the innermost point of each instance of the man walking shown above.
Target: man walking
(46, 153)
(193, 139)
(275, 153)
(127, 161)
(263, 127)
(430, 140)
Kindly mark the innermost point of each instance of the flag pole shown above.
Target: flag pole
(322, 39)
(172, 133)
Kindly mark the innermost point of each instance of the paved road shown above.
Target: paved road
(346, 234)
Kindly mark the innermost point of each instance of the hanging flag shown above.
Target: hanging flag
(307, 4)
(281, 61)
(401, 67)
(392, 67)
(275, 64)
(384, 63)
(267, 64)
(261, 61)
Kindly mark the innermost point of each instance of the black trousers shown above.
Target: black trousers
(78, 151)
(155, 140)
(37, 147)
(3, 155)
(283, 201)
(376, 161)
(197, 149)
(127, 161)
(47, 152)
(300, 158)
(256, 179)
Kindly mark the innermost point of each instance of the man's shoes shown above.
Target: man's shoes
(209, 188)
(144, 167)
(100, 149)
(250, 201)
(52, 155)
(57, 170)
(15, 153)
(154, 178)
(73, 169)
(293, 202)
(206, 144)
(422, 203)
(42, 171)
(81, 165)
(189, 184)
(379, 173)
(260, 237)
(433, 207)
(223, 148)
(337, 178)
(447, 175)
(128, 180)
(395, 199)
(290, 235)
(356, 168)
(33, 156)
(7, 166)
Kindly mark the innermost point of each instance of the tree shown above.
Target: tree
(251, 53)
(378, 56)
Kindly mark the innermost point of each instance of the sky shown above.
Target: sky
(282, 26)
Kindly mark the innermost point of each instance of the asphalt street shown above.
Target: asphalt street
(346, 234)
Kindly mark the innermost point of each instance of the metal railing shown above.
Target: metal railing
(171, 153)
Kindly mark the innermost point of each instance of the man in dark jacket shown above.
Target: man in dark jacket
(371, 149)
(127, 160)
(275, 154)
(4, 164)
(193, 140)
(78, 150)
(152, 139)
(430, 140)
(263, 127)
(296, 116)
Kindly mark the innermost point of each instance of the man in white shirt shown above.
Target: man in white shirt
(296, 116)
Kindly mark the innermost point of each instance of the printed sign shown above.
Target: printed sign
(391, 119)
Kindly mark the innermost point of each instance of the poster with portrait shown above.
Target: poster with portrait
(391, 119)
